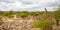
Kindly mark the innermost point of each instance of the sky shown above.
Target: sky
(28, 5)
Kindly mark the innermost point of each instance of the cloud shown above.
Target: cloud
(27, 4)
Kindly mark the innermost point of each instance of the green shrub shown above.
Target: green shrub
(57, 14)
(34, 13)
(42, 24)
(8, 13)
(23, 15)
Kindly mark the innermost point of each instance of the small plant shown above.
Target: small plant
(42, 24)
(9, 14)
(23, 15)
(34, 13)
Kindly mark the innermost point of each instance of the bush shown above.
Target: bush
(8, 13)
(57, 14)
(23, 14)
(34, 13)
(42, 24)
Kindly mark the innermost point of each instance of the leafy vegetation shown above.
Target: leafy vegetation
(57, 14)
(22, 13)
(42, 24)
(25, 13)
(35, 13)
(46, 23)
(39, 24)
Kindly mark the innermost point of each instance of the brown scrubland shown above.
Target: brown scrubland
(16, 20)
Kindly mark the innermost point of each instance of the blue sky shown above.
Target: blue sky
(28, 5)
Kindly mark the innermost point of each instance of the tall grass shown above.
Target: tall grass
(43, 24)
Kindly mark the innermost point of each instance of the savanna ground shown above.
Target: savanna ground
(23, 20)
